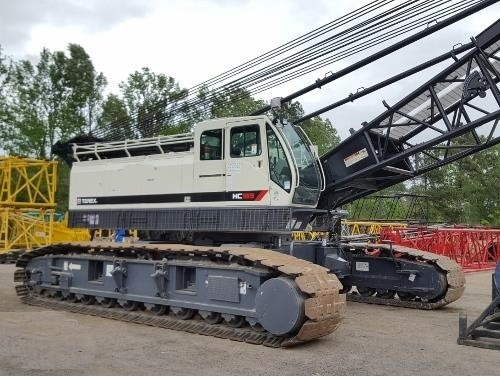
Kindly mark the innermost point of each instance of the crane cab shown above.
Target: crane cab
(256, 162)
(230, 174)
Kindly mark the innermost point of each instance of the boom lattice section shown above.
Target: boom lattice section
(472, 248)
(27, 206)
(453, 115)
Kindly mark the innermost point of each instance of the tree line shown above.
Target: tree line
(62, 95)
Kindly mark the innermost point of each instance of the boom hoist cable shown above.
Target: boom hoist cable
(354, 32)
(195, 104)
(374, 5)
(384, 52)
(441, 13)
(342, 54)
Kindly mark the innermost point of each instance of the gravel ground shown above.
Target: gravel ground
(372, 340)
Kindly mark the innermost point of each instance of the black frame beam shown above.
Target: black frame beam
(435, 125)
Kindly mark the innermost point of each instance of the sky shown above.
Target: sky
(193, 40)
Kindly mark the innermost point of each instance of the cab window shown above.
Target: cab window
(279, 169)
(245, 141)
(211, 145)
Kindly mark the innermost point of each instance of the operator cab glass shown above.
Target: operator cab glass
(279, 168)
(309, 188)
(309, 185)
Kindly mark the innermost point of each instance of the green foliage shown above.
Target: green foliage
(147, 97)
(114, 118)
(467, 190)
(320, 132)
(85, 98)
(62, 187)
(50, 100)
(5, 113)
(236, 102)
(464, 192)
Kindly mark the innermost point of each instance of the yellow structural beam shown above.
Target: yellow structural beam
(350, 228)
(27, 183)
(109, 234)
(370, 228)
(309, 235)
(27, 202)
(62, 233)
(25, 228)
(30, 228)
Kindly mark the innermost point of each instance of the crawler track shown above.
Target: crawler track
(454, 276)
(324, 306)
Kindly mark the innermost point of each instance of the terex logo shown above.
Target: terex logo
(86, 201)
(244, 196)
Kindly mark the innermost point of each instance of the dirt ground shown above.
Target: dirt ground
(372, 340)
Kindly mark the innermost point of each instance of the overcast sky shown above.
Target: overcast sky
(193, 40)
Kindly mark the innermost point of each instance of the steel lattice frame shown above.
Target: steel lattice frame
(25, 228)
(27, 182)
(27, 202)
(453, 115)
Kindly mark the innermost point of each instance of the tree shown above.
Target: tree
(114, 120)
(85, 97)
(320, 131)
(53, 99)
(152, 100)
(465, 191)
(235, 102)
(5, 113)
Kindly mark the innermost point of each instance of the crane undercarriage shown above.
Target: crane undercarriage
(240, 293)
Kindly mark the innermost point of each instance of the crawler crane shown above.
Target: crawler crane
(220, 204)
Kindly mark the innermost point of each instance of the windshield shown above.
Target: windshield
(307, 192)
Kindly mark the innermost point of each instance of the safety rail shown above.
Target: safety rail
(132, 147)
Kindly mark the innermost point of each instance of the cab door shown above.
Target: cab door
(209, 166)
(247, 165)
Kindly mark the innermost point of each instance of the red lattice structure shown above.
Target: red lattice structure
(472, 248)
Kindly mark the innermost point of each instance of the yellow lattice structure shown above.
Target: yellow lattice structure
(370, 228)
(25, 228)
(27, 206)
(309, 235)
(27, 202)
(109, 235)
(62, 233)
(350, 228)
(27, 183)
